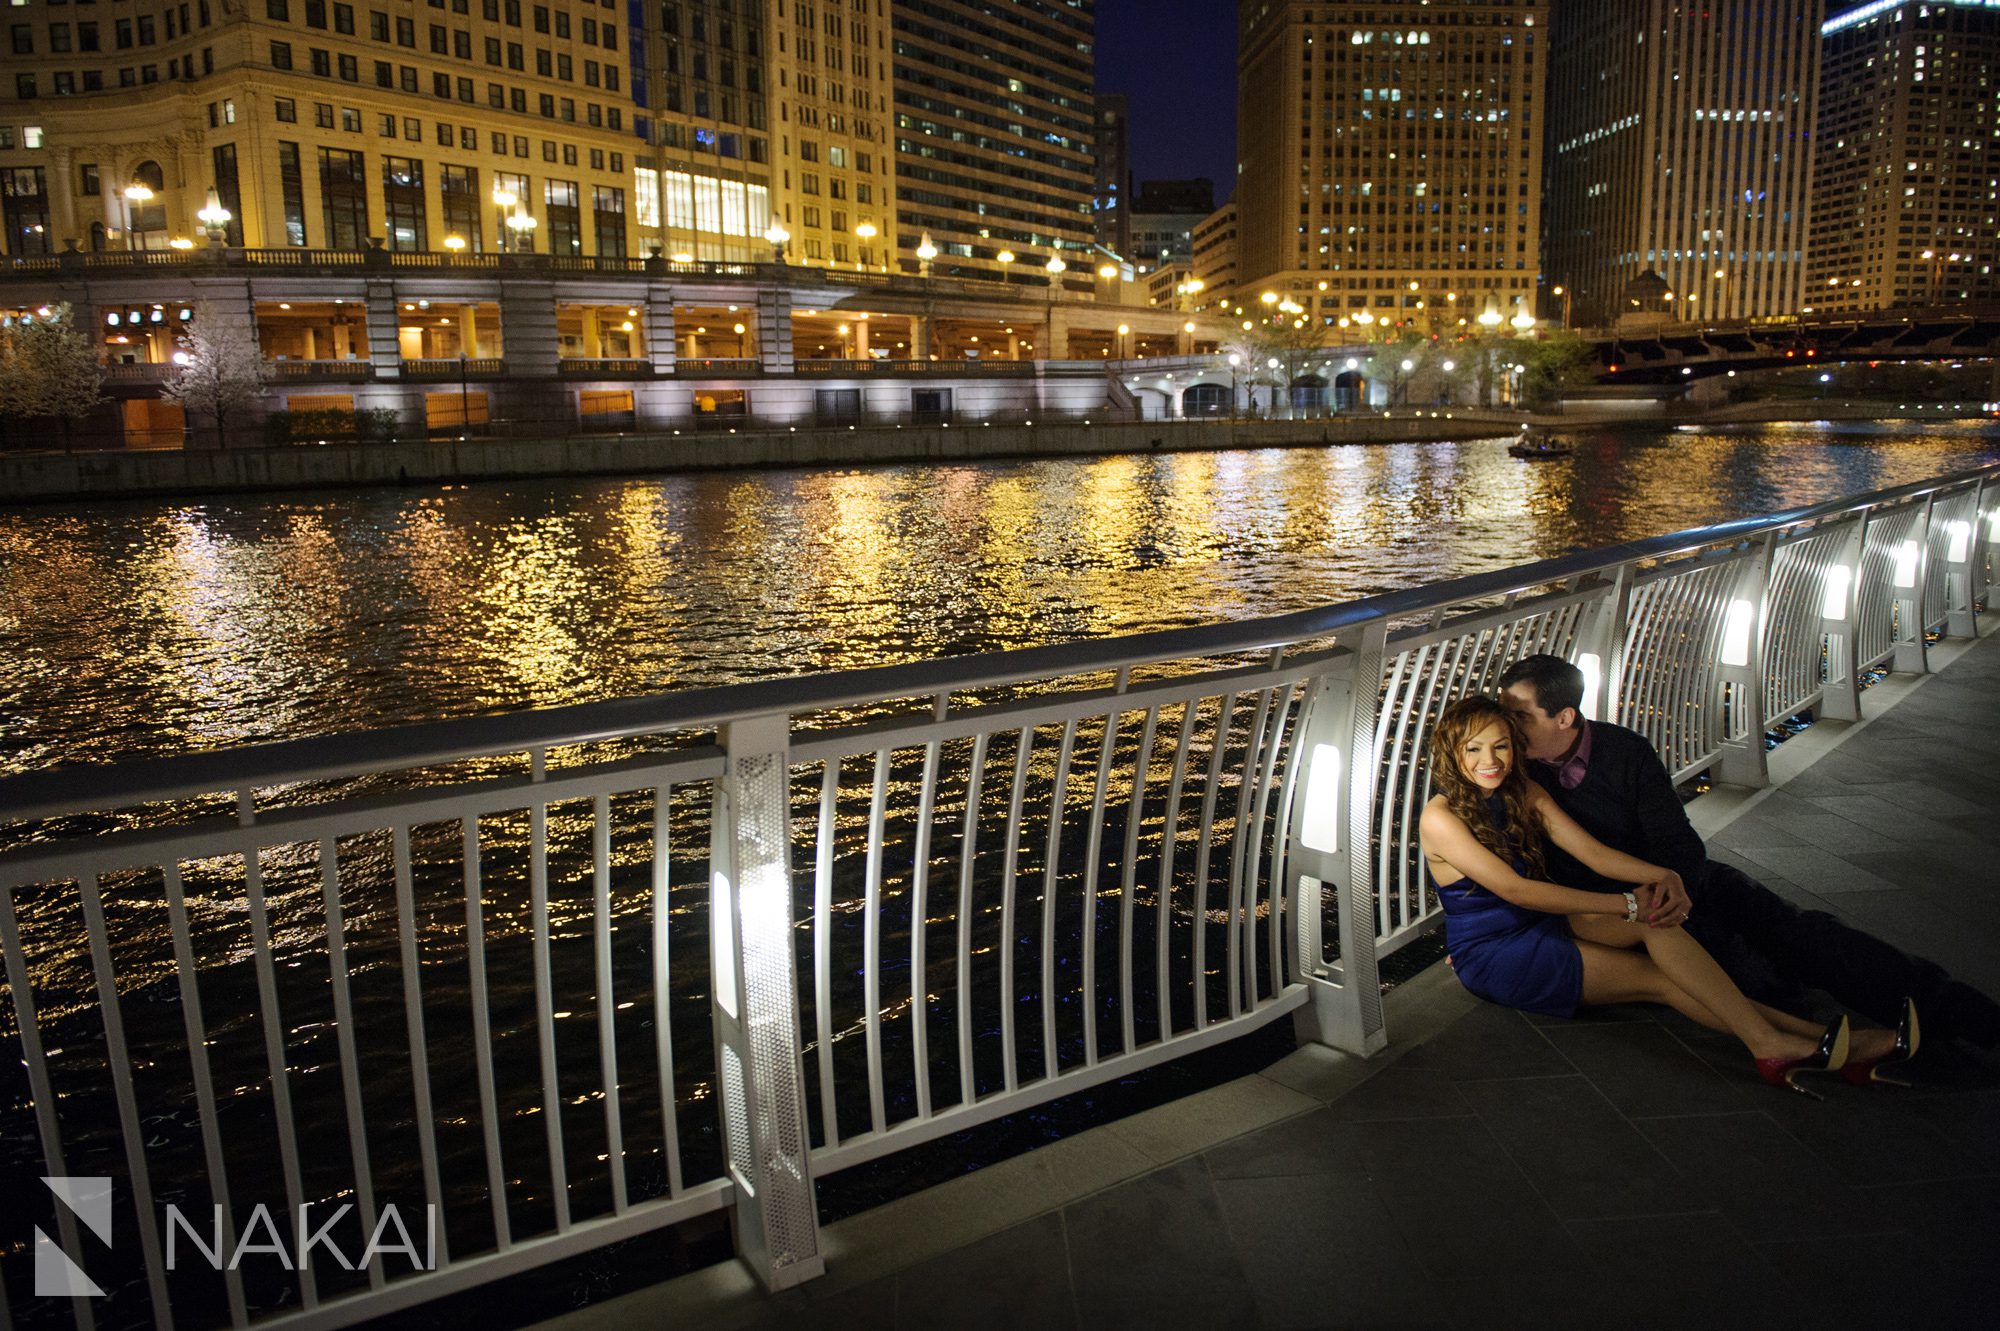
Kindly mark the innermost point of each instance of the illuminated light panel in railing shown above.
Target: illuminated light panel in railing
(1993, 524)
(1593, 680)
(1833, 600)
(1907, 557)
(1959, 550)
(1322, 816)
(1736, 633)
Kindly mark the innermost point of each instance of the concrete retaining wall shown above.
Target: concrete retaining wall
(57, 476)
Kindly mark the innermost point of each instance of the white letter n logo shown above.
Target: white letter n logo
(56, 1276)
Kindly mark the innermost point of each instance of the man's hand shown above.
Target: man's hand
(1670, 905)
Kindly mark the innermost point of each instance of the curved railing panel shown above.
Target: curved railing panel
(539, 982)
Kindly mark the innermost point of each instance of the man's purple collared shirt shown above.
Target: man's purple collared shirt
(1570, 770)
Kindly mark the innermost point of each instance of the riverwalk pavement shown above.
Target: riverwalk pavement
(1489, 1170)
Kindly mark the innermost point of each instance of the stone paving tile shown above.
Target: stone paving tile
(1818, 870)
(1399, 1092)
(1586, 1159)
(1490, 1041)
(1768, 1183)
(1644, 1070)
(1322, 1251)
(1717, 1281)
(1018, 1277)
(1146, 1254)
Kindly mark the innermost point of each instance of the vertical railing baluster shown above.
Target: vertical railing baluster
(607, 1001)
(36, 1059)
(871, 939)
(920, 879)
(823, 847)
(663, 1026)
(1274, 735)
(196, 1027)
(1128, 886)
(128, 1108)
(350, 1055)
(1237, 855)
(767, 1148)
(413, 1021)
(545, 1026)
(1092, 849)
(1406, 675)
(1010, 861)
(1203, 844)
(1058, 801)
(482, 1032)
(975, 777)
(1169, 843)
(274, 1053)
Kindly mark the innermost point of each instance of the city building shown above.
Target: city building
(476, 125)
(993, 106)
(1113, 144)
(1906, 174)
(1680, 144)
(1164, 216)
(835, 187)
(1215, 257)
(1389, 157)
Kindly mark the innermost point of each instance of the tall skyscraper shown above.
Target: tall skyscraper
(993, 132)
(1113, 144)
(1906, 210)
(835, 186)
(1389, 156)
(1679, 141)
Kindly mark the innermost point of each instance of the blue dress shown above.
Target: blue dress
(1508, 954)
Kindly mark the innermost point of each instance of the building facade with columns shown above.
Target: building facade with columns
(1389, 157)
(532, 345)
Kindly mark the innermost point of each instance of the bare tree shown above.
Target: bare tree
(48, 367)
(1280, 349)
(219, 371)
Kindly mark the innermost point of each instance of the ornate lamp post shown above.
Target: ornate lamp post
(867, 233)
(522, 223)
(1004, 258)
(925, 253)
(777, 237)
(214, 218)
(135, 194)
(504, 199)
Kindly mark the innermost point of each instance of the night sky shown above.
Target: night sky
(1176, 60)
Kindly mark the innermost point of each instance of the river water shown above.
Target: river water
(150, 626)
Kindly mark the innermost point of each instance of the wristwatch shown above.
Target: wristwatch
(1631, 909)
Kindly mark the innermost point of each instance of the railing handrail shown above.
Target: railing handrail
(61, 789)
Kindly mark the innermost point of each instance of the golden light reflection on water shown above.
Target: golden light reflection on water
(138, 627)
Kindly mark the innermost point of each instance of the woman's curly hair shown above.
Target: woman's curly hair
(1519, 837)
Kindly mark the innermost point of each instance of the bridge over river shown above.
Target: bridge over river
(769, 932)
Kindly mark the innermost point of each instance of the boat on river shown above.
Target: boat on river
(1532, 447)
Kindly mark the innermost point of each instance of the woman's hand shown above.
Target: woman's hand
(1670, 905)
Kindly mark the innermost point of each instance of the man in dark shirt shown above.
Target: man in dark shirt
(1611, 781)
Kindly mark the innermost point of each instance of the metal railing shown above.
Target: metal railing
(565, 976)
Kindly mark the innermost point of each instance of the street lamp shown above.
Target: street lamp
(1722, 275)
(1056, 268)
(776, 236)
(1003, 258)
(455, 243)
(867, 233)
(1564, 292)
(925, 253)
(1522, 320)
(135, 196)
(214, 218)
(522, 223)
(504, 199)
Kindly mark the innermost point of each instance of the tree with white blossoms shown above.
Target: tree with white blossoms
(48, 367)
(218, 372)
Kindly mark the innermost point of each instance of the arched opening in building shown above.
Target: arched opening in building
(1308, 394)
(1205, 400)
(1350, 390)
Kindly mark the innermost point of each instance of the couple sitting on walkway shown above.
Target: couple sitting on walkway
(1531, 794)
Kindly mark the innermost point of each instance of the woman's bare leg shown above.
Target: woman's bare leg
(1688, 967)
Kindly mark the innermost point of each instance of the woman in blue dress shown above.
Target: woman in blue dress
(1520, 941)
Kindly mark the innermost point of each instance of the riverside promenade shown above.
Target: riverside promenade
(1491, 1170)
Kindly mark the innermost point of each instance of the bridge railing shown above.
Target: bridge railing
(512, 988)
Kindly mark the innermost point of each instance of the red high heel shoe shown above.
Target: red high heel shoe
(1868, 1071)
(1829, 1057)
